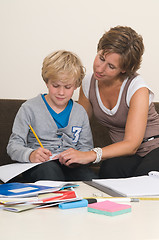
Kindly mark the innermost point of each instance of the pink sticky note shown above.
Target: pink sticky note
(109, 208)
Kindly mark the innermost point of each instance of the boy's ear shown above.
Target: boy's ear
(47, 83)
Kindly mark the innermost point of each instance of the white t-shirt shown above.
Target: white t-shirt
(136, 84)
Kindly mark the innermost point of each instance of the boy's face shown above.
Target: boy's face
(60, 92)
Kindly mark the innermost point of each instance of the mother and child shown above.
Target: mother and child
(115, 93)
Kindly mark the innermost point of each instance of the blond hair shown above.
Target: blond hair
(60, 62)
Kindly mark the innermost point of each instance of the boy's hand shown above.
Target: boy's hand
(40, 155)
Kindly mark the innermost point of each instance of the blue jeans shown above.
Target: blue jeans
(54, 171)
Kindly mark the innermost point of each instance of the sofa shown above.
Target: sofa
(8, 110)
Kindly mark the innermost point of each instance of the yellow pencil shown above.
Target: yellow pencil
(36, 136)
(148, 198)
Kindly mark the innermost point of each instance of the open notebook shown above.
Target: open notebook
(133, 186)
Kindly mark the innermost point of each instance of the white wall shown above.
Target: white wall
(31, 29)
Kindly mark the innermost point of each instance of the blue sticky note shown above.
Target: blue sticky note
(74, 204)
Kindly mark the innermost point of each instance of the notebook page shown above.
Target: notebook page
(132, 187)
(9, 171)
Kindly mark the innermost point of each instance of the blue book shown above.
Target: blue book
(24, 189)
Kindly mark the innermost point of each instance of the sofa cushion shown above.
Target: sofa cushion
(8, 110)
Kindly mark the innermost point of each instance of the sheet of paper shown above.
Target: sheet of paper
(9, 171)
(60, 184)
(12, 170)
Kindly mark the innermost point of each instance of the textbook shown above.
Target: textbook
(41, 201)
(23, 189)
(19, 208)
(147, 185)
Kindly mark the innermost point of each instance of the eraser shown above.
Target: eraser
(74, 204)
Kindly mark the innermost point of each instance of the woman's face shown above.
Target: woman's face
(107, 67)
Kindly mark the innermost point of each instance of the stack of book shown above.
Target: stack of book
(17, 197)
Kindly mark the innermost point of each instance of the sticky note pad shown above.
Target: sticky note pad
(109, 208)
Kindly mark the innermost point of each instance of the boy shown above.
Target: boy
(59, 123)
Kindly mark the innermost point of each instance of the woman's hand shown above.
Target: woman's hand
(40, 155)
(72, 156)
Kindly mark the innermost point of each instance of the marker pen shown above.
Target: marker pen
(74, 204)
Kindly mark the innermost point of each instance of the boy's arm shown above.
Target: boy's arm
(16, 150)
(17, 146)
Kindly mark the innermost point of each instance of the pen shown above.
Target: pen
(36, 136)
(114, 199)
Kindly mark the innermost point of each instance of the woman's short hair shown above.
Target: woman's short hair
(126, 42)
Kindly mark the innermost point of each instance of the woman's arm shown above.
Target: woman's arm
(85, 103)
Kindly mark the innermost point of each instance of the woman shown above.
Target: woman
(122, 101)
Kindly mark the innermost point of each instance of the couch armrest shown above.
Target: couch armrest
(8, 110)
